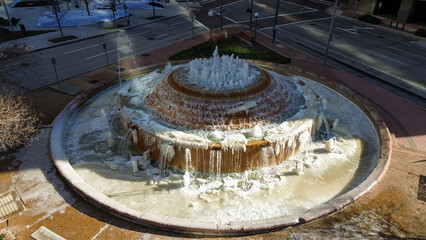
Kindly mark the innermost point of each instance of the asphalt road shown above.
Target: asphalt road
(85, 56)
(382, 54)
(397, 59)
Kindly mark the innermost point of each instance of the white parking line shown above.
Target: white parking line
(174, 24)
(206, 1)
(285, 14)
(391, 59)
(161, 36)
(100, 54)
(303, 6)
(349, 30)
(76, 50)
(322, 2)
(409, 53)
(137, 34)
(303, 21)
(364, 28)
(202, 25)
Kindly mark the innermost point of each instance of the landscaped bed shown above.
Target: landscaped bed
(228, 46)
(6, 35)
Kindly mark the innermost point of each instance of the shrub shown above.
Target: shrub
(18, 121)
(2, 236)
(370, 19)
(421, 32)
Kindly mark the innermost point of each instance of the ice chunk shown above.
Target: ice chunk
(330, 145)
(234, 141)
(186, 179)
(215, 135)
(246, 106)
(256, 132)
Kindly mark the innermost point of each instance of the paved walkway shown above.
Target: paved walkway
(395, 208)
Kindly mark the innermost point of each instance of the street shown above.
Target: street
(84, 56)
(379, 52)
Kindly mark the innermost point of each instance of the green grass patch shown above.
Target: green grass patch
(370, 19)
(7, 35)
(60, 39)
(232, 45)
(421, 32)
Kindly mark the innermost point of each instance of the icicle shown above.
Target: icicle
(265, 156)
(135, 166)
(218, 163)
(330, 145)
(167, 153)
(186, 179)
(188, 164)
(135, 136)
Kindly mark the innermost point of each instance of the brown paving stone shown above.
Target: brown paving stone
(395, 201)
(410, 162)
(70, 224)
(113, 232)
(5, 182)
(353, 223)
(3, 224)
(282, 234)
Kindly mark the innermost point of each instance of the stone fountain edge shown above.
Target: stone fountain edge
(101, 201)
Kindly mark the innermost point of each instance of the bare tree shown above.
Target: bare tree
(87, 7)
(58, 15)
(153, 7)
(113, 6)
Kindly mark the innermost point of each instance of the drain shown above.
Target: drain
(8, 205)
(146, 55)
(421, 193)
(380, 36)
(93, 81)
(118, 69)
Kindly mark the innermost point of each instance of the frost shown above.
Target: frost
(246, 106)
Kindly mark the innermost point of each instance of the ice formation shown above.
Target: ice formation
(221, 73)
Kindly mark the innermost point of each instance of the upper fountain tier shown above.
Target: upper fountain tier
(218, 74)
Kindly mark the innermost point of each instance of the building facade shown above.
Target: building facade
(403, 11)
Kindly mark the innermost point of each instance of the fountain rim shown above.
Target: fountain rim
(259, 86)
(234, 228)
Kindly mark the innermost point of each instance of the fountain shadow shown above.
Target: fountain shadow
(363, 171)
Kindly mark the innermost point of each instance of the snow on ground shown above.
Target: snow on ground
(99, 12)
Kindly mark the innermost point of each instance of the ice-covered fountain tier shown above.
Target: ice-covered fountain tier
(225, 116)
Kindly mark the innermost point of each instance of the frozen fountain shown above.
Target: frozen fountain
(242, 147)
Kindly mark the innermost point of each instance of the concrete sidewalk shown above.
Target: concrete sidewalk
(29, 16)
(395, 208)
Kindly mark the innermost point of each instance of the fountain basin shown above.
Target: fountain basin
(344, 198)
